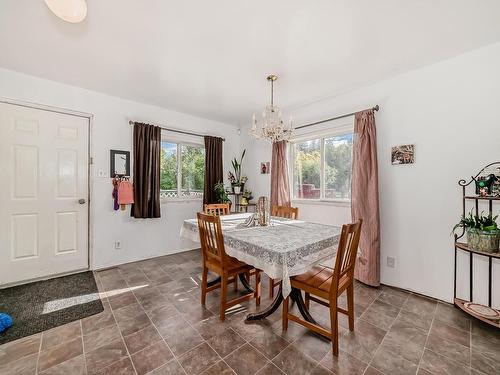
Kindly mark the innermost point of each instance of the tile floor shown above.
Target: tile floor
(153, 323)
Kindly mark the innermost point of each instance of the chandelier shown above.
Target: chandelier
(272, 127)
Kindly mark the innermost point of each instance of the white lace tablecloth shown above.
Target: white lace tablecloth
(285, 248)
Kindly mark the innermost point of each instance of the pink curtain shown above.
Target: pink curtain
(365, 203)
(280, 189)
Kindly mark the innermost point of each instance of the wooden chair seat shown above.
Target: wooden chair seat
(319, 281)
(233, 266)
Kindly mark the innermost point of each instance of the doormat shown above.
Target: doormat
(46, 304)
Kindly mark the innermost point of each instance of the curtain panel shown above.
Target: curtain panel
(147, 146)
(213, 168)
(280, 189)
(365, 201)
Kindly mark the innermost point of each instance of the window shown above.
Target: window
(182, 170)
(322, 168)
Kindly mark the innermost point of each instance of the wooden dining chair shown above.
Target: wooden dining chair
(289, 213)
(284, 211)
(216, 260)
(324, 285)
(217, 209)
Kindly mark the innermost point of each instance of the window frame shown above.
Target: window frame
(181, 141)
(336, 131)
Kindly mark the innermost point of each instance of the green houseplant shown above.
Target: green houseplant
(220, 193)
(236, 179)
(482, 232)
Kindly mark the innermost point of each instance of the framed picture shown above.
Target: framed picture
(403, 154)
(265, 167)
(119, 163)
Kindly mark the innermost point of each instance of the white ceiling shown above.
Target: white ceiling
(210, 58)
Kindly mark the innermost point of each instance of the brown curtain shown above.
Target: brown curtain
(147, 145)
(365, 203)
(280, 189)
(213, 167)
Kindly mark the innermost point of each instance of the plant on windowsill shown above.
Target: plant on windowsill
(482, 232)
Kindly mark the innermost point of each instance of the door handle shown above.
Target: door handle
(81, 201)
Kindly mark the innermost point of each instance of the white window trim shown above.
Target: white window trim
(185, 140)
(340, 128)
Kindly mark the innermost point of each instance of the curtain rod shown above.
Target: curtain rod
(177, 131)
(376, 108)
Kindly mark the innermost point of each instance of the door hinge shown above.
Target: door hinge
(91, 160)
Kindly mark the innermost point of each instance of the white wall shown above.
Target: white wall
(449, 111)
(140, 238)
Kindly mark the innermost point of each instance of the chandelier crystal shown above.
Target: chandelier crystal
(272, 126)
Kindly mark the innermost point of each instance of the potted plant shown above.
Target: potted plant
(235, 178)
(482, 232)
(246, 198)
(220, 193)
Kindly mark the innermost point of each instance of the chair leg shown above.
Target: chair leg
(223, 297)
(204, 276)
(236, 283)
(350, 306)
(284, 315)
(271, 288)
(307, 300)
(257, 288)
(334, 324)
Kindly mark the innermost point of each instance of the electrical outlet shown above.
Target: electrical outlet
(391, 262)
(102, 174)
(118, 245)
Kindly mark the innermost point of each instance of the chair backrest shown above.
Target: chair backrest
(211, 239)
(287, 212)
(346, 255)
(217, 209)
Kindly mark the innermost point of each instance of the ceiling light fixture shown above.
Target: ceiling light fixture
(72, 11)
(272, 127)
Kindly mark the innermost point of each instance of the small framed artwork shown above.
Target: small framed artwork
(403, 154)
(265, 167)
(119, 163)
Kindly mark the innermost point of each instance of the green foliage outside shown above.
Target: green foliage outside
(192, 167)
(338, 165)
(168, 167)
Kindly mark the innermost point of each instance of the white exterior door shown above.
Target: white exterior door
(43, 193)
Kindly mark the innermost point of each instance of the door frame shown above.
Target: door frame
(90, 117)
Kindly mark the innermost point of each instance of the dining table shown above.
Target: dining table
(282, 249)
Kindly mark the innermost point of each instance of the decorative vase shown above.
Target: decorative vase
(481, 240)
(263, 209)
(237, 189)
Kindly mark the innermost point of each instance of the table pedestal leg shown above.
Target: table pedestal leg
(295, 296)
(215, 281)
(268, 310)
(245, 283)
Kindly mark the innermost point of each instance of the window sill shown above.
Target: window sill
(322, 202)
(180, 200)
